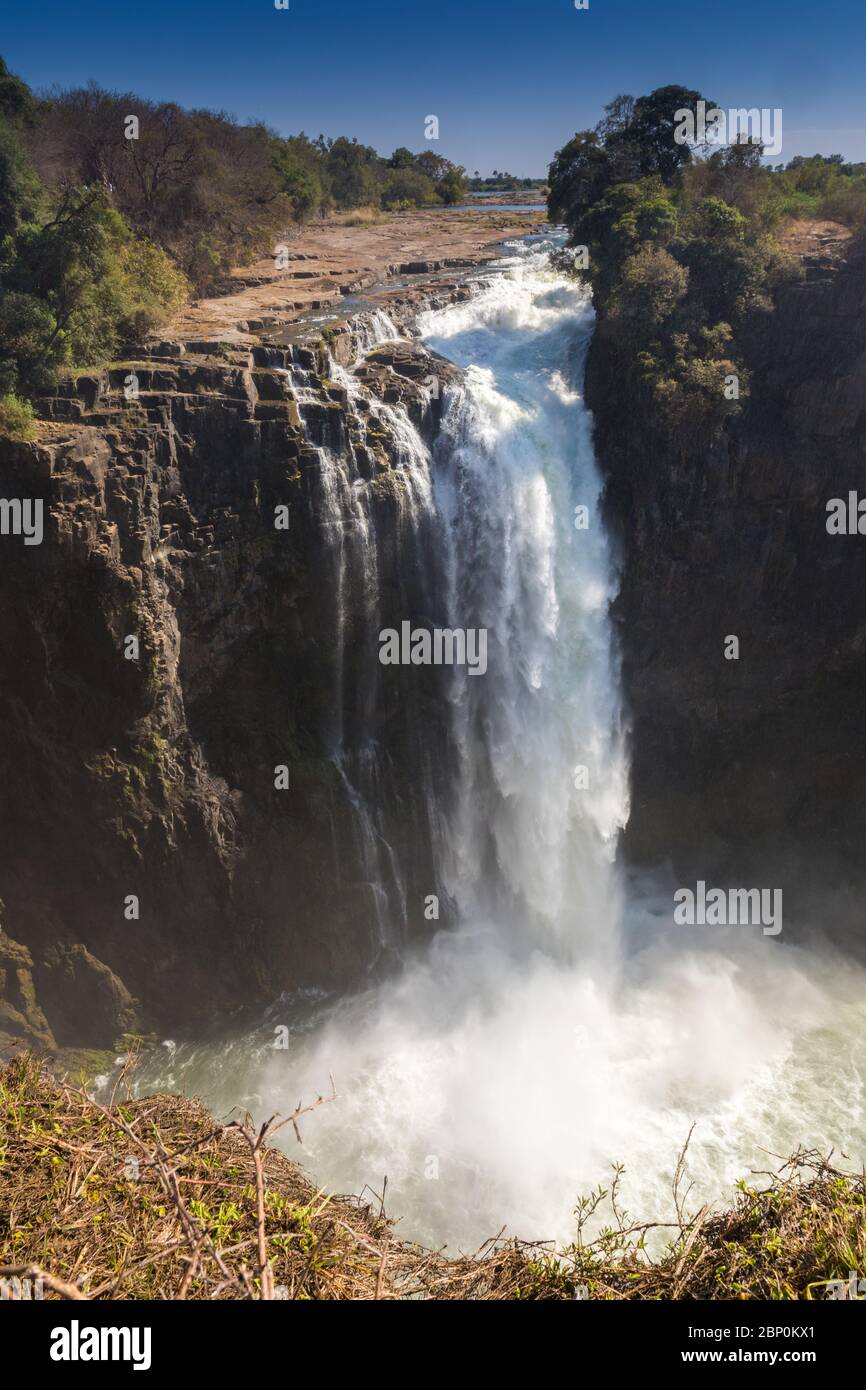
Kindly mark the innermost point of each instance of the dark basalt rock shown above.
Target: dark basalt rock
(758, 760)
(154, 778)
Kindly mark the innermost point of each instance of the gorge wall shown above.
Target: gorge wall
(155, 777)
(740, 764)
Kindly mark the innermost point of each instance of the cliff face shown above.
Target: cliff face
(154, 777)
(760, 760)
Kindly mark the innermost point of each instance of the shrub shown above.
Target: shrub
(152, 288)
(718, 218)
(651, 286)
(16, 418)
(692, 395)
(845, 202)
(407, 188)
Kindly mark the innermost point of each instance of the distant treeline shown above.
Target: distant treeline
(113, 209)
(500, 182)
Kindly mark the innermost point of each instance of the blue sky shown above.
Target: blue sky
(509, 81)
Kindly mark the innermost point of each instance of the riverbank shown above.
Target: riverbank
(197, 1210)
(329, 262)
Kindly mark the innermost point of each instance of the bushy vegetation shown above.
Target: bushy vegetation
(683, 245)
(113, 209)
(823, 186)
(76, 278)
(16, 418)
(210, 191)
(421, 179)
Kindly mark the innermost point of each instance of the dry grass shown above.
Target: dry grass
(358, 217)
(153, 1199)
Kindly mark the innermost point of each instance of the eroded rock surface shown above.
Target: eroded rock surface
(154, 876)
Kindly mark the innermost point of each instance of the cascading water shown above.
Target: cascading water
(352, 547)
(558, 1021)
(540, 767)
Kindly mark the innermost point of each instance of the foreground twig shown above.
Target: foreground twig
(211, 1212)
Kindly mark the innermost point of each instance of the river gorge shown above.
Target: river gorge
(434, 906)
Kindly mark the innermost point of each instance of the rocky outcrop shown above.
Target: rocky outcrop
(760, 759)
(86, 1001)
(169, 647)
(21, 1018)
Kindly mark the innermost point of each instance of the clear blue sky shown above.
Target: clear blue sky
(509, 81)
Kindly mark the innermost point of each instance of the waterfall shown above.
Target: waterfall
(353, 546)
(373, 328)
(541, 785)
(553, 1021)
(537, 786)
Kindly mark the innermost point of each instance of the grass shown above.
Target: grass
(154, 1198)
(358, 217)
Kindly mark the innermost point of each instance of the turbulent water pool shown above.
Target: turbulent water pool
(566, 1023)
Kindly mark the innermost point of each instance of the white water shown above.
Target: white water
(527, 850)
(562, 1022)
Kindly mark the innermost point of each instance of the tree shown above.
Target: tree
(75, 278)
(352, 173)
(19, 189)
(28, 343)
(407, 186)
(195, 182)
(618, 115)
(718, 219)
(727, 277)
(82, 282)
(651, 286)
(578, 176)
(435, 166)
(299, 175)
(16, 98)
(451, 188)
(650, 130)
